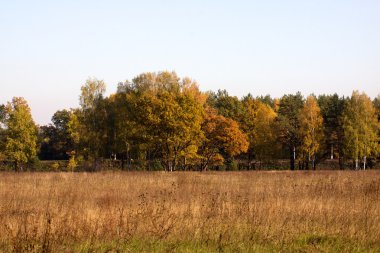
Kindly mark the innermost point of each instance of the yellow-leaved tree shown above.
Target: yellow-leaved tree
(21, 133)
(361, 126)
(264, 140)
(168, 112)
(311, 130)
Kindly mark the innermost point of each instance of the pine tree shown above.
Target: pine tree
(288, 124)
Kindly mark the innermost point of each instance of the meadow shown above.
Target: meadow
(259, 211)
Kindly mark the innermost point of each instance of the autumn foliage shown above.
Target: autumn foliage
(159, 121)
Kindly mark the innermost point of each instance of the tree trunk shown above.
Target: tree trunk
(365, 157)
(341, 163)
(249, 160)
(204, 166)
(174, 167)
(292, 158)
(356, 164)
(128, 168)
(122, 161)
(364, 162)
(95, 165)
(170, 168)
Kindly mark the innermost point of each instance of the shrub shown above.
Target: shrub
(232, 165)
(72, 164)
(55, 166)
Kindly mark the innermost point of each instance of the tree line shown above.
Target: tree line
(159, 121)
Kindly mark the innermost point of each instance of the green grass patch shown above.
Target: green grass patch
(305, 243)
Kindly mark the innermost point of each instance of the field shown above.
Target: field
(323, 211)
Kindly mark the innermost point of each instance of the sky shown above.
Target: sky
(49, 48)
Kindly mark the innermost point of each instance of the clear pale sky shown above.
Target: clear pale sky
(49, 48)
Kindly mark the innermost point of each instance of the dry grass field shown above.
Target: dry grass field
(323, 211)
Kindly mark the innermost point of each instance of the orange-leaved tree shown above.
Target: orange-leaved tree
(222, 137)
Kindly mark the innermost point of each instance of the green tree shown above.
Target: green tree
(21, 133)
(2, 114)
(47, 137)
(2, 132)
(226, 105)
(311, 130)
(247, 124)
(376, 104)
(360, 126)
(93, 119)
(288, 124)
(331, 109)
(126, 137)
(56, 142)
(268, 100)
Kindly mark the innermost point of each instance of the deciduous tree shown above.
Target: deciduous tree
(2, 132)
(2, 114)
(21, 133)
(169, 111)
(360, 126)
(56, 140)
(222, 138)
(376, 104)
(93, 118)
(311, 130)
(264, 139)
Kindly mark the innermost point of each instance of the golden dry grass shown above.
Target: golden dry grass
(221, 211)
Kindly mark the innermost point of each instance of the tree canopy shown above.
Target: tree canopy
(360, 124)
(160, 121)
(21, 133)
(288, 125)
(311, 130)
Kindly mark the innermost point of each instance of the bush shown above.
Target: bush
(72, 164)
(55, 166)
(35, 164)
(232, 165)
(156, 165)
